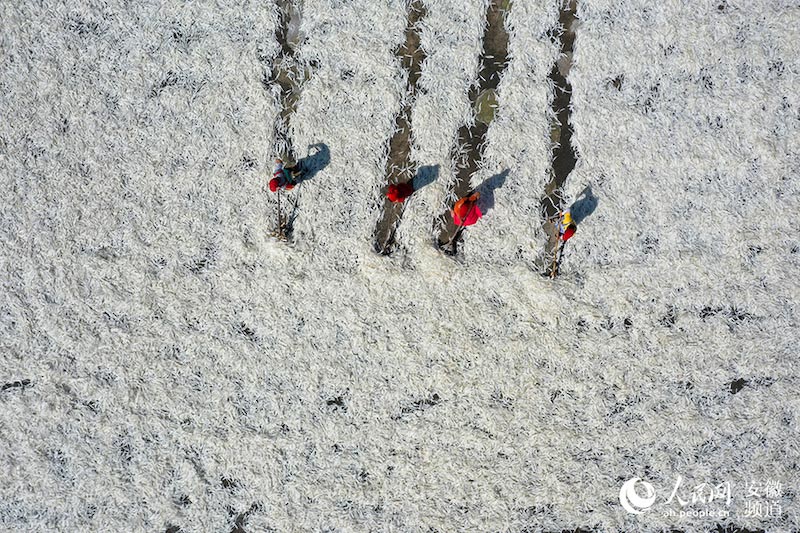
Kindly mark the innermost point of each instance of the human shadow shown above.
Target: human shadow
(314, 162)
(487, 188)
(584, 205)
(425, 176)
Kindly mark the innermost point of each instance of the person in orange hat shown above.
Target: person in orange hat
(466, 211)
(283, 177)
(398, 193)
(566, 229)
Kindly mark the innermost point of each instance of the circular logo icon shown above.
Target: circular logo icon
(630, 499)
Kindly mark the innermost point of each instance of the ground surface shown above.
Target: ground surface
(167, 366)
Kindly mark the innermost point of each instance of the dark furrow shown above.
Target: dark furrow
(16, 385)
(468, 152)
(563, 156)
(241, 519)
(399, 168)
(288, 75)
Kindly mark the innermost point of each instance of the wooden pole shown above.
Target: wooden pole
(554, 267)
(280, 222)
(461, 227)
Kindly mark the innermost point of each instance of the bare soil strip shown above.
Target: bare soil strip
(400, 168)
(468, 151)
(287, 74)
(564, 157)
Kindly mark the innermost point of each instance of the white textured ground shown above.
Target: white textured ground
(184, 369)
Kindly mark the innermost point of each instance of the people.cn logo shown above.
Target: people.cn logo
(630, 499)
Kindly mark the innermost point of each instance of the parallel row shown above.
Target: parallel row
(452, 38)
(468, 150)
(484, 63)
(517, 157)
(356, 83)
(400, 171)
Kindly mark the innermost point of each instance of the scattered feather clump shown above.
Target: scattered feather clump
(167, 366)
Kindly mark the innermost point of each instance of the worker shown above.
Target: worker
(566, 226)
(466, 211)
(283, 177)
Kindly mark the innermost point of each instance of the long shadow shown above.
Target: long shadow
(564, 157)
(584, 206)
(312, 164)
(399, 167)
(487, 188)
(425, 176)
(468, 152)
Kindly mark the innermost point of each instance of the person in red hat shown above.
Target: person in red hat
(466, 211)
(282, 177)
(398, 193)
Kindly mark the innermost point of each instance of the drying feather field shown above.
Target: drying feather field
(168, 365)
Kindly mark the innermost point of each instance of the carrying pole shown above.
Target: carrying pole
(280, 222)
(460, 229)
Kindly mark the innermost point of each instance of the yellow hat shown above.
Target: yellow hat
(567, 218)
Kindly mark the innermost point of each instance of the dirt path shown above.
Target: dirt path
(287, 74)
(563, 156)
(467, 153)
(399, 167)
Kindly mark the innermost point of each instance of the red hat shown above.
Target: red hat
(569, 232)
(400, 191)
(274, 183)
